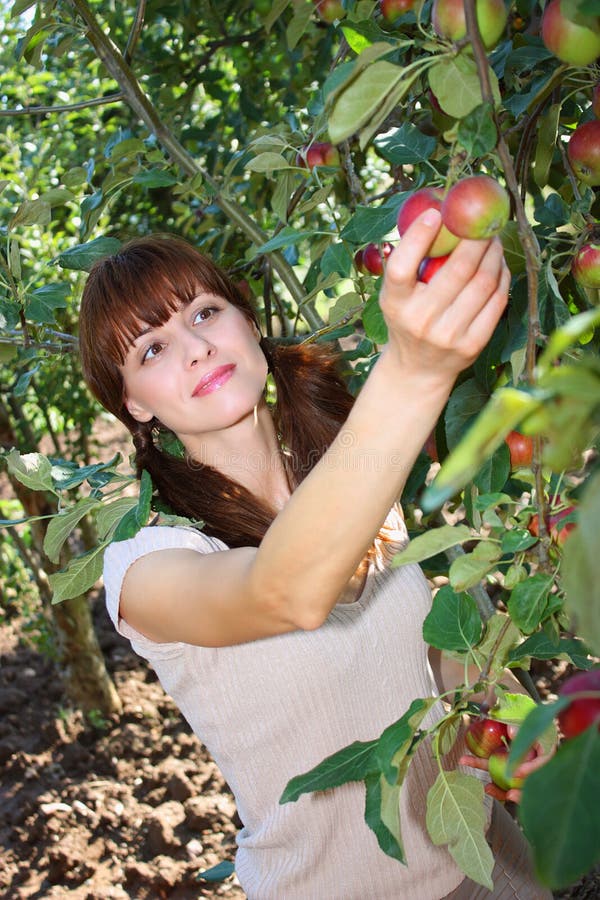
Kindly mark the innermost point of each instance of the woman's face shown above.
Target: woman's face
(201, 372)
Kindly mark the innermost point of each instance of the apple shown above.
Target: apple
(448, 20)
(429, 266)
(521, 449)
(497, 767)
(359, 262)
(477, 207)
(374, 255)
(583, 151)
(417, 203)
(596, 100)
(586, 266)
(330, 10)
(430, 447)
(558, 533)
(484, 736)
(319, 153)
(582, 713)
(391, 9)
(574, 39)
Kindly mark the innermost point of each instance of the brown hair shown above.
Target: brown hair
(145, 282)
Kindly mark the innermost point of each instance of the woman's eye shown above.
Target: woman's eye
(207, 312)
(151, 352)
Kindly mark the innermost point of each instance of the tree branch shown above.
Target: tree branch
(67, 107)
(141, 105)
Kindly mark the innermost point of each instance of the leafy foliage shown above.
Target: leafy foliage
(200, 124)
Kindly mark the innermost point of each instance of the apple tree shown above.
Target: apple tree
(290, 139)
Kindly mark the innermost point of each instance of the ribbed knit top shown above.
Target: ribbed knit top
(271, 709)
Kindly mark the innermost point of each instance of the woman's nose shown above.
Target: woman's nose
(197, 349)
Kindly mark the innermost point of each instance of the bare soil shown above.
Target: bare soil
(128, 809)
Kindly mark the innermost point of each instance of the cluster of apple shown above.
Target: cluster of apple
(477, 207)
(558, 529)
(583, 152)
(372, 257)
(490, 738)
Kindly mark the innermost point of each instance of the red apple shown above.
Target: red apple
(596, 100)
(374, 255)
(583, 712)
(574, 39)
(430, 447)
(586, 266)
(476, 207)
(557, 533)
(583, 151)
(359, 262)
(484, 736)
(319, 153)
(448, 20)
(417, 203)
(497, 767)
(330, 10)
(391, 9)
(429, 266)
(521, 449)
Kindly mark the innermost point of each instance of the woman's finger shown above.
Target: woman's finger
(403, 263)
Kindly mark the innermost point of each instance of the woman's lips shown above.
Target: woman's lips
(213, 380)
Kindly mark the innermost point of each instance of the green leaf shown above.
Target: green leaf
(495, 470)
(453, 622)
(380, 795)
(358, 103)
(397, 741)
(506, 408)
(71, 475)
(581, 569)
(566, 839)
(79, 576)
(337, 259)
(406, 145)
(537, 725)
(499, 637)
(456, 817)
(455, 83)
(32, 469)
(426, 545)
(528, 601)
(61, 526)
(516, 540)
(568, 334)
(469, 569)
(540, 646)
(41, 304)
(31, 212)
(112, 513)
(220, 872)
(153, 178)
(352, 763)
(268, 162)
(83, 256)
(373, 321)
(286, 238)
(465, 402)
(477, 131)
(372, 224)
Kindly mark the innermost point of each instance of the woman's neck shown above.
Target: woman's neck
(249, 453)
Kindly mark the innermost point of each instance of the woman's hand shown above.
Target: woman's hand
(523, 770)
(441, 327)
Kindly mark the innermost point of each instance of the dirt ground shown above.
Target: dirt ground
(130, 809)
(133, 809)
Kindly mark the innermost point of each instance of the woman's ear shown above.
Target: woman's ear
(138, 412)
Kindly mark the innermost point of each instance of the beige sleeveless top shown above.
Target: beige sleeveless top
(271, 709)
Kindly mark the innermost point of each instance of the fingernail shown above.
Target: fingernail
(431, 217)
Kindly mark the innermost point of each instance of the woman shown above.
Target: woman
(279, 628)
